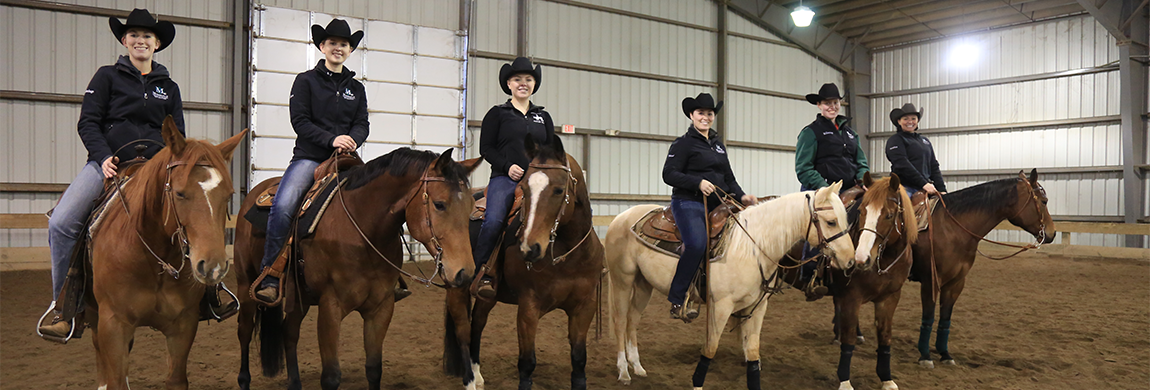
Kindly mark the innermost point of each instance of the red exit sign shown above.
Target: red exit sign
(568, 129)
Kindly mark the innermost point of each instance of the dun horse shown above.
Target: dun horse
(740, 282)
(554, 262)
(165, 223)
(946, 254)
(345, 271)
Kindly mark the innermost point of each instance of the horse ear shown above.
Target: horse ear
(228, 147)
(173, 138)
(824, 193)
(471, 163)
(867, 179)
(895, 182)
(445, 158)
(530, 147)
(556, 144)
(1034, 177)
(1022, 175)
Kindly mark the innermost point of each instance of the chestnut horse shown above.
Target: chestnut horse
(944, 256)
(163, 224)
(345, 271)
(554, 262)
(740, 281)
(884, 238)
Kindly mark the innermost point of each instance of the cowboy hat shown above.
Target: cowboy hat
(519, 66)
(704, 101)
(907, 109)
(337, 28)
(141, 18)
(827, 92)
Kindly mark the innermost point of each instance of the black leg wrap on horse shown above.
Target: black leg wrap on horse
(578, 367)
(882, 368)
(846, 351)
(943, 339)
(754, 372)
(526, 368)
(924, 339)
(701, 371)
(374, 373)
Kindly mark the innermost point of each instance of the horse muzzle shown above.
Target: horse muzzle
(210, 272)
(531, 252)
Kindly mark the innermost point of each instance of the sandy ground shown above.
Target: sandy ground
(1028, 323)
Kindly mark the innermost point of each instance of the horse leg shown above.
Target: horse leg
(244, 331)
(290, 336)
(927, 292)
(639, 301)
(884, 308)
(526, 327)
(330, 318)
(621, 290)
(750, 331)
(578, 324)
(848, 328)
(113, 338)
(716, 321)
(375, 324)
(478, 322)
(180, 335)
(947, 298)
(457, 337)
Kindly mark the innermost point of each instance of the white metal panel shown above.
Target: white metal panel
(25, 203)
(432, 13)
(765, 119)
(738, 24)
(493, 28)
(777, 68)
(40, 143)
(702, 13)
(580, 35)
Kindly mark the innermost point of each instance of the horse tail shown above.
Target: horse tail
(452, 350)
(271, 331)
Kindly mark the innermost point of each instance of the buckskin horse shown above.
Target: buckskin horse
(960, 221)
(164, 223)
(354, 257)
(554, 262)
(740, 281)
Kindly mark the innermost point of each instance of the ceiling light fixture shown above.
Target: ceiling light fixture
(802, 15)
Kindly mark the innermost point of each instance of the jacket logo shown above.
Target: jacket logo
(159, 93)
(88, 91)
(828, 133)
(925, 141)
(537, 118)
(850, 135)
(719, 148)
(347, 94)
(893, 147)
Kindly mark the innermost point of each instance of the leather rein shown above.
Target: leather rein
(894, 227)
(568, 190)
(1038, 239)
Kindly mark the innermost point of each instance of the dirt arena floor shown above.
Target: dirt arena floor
(1027, 323)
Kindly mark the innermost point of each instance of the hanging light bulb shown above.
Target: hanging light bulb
(802, 15)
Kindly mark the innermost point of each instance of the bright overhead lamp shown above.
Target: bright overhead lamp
(802, 15)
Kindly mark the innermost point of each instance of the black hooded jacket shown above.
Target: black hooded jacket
(324, 105)
(912, 158)
(692, 159)
(503, 131)
(121, 105)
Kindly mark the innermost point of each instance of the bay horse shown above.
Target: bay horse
(555, 261)
(740, 281)
(884, 239)
(946, 255)
(164, 223)
(345, 271)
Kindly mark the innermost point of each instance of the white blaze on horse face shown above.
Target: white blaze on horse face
(210, 184)
(866, 239)
(536, 183)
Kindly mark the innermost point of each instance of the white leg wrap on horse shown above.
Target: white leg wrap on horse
(889, 385)
(846, 385)
(621, 363)
(633, 357)
(926, 363)
(478, 376)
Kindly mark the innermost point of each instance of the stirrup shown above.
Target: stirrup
(220, 317)
(61, 340)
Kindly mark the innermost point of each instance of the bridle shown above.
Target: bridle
(894, 227)
(814, 221)
(568, 190)
(1039, 238)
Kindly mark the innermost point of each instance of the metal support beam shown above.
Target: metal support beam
(521, 28)
(721, 65)
(858, 83)
(835, 51)
(1119, 18)
(241, 63)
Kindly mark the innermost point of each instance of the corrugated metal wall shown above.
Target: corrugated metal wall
(429, 13)
(1034, 49)
(39, 143)
(599, 98)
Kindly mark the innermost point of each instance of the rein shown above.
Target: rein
(568, 189)
(1022, 248)
(885, 237)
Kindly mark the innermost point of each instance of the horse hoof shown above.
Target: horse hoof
(478, 376)
(928, 364)
(639, 371)
(861, 339)
(846, 385)
(949, 362)
(836, 342)
(625, 381)
(889, 385)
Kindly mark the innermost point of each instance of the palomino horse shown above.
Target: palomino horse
(169, 216)
(740, 282)
(884, 239)
(554, 262)
(345, 271)
(946, 254)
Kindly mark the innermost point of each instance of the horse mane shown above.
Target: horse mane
(776, 219)
(405, 162)
(150, 193)
(986, 197)
(880, 191)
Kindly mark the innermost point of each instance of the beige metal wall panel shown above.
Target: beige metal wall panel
(702, 13)
(40, 143)
(764, 172)
(493, 27)
(738, 24)
(592, 37)
(25, 203)
(430, 13)
(200, 9)
(777, 68)
(1060, 45)
(766, 119)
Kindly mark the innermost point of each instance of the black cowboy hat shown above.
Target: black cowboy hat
(827, 92)
(141, 18)
(519, 66)
(337, 28)
(704, 100)
(907, 109)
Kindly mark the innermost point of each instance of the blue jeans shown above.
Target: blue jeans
(500, 196)
(296, 181)
(691, 218)
(68, 219)
(910, 191)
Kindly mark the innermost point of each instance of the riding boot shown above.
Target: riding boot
(57, 327)
(401, 290)
(218, 304)
(269, 289)
(487, 287)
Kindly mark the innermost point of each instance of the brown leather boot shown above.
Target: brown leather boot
(268, 294)
(486, 288)
(56, 327)
(401, 292)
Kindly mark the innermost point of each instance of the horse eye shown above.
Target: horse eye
(889, 215)
(832, 223)
(180, 195)
(440, 206)
(557, 191)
